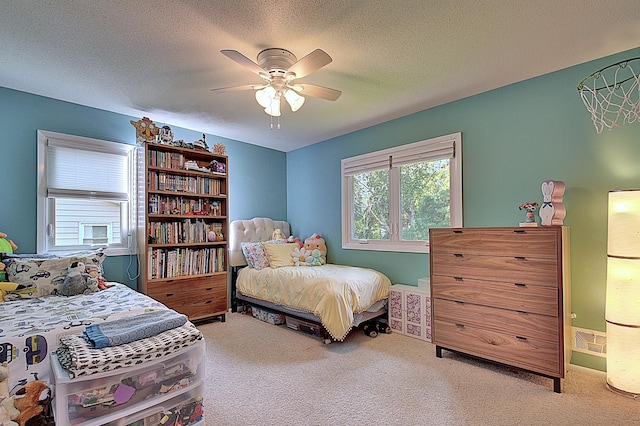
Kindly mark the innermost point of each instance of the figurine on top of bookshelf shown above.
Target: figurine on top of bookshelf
(218, 166)
(146, 130)
(165, 135)
(219, 149)
(201, 144)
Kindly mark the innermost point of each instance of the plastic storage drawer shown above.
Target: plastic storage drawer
(100, 398)
(185, 409)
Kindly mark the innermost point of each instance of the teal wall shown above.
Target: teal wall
(513, 138)
(22, 114)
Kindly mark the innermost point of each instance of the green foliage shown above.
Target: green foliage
(424, 198)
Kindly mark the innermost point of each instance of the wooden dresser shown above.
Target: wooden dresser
(502, 294)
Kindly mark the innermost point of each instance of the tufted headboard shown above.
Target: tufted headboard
(256, 229)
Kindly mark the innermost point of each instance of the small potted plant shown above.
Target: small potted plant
(530, 207)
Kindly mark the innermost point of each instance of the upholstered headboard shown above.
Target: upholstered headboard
(256, 229)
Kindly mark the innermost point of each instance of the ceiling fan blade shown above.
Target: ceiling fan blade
(317, 91)
(238, 88)
(244, 61)
(310, 63)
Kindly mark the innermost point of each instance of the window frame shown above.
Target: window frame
(372, 161)
(45, 241)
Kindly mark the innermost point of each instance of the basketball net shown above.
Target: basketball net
(612, 94)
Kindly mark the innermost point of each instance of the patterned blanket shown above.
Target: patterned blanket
(30, 329)
(79, 359)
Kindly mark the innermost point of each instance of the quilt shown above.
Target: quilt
(31, 329)
(332, 292)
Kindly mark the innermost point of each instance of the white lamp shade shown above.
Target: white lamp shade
(624, 224)
(623, 358)
(295, 101)
(623, 292)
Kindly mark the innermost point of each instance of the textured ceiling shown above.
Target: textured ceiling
(390, 58)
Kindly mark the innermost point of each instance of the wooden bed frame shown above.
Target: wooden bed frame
(261, 229)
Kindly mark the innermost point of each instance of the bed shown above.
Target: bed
(38, 324)
(337, 298)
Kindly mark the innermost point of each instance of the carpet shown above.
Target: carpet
(258, 373)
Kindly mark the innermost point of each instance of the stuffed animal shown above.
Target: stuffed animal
(6, 246)
(77, 281)
(277, 235)
(33, 400)
(146, 130)
(4, 381)
(94, 272)
(8, 413)
(315, 244)
(382, 327)
(369, 329)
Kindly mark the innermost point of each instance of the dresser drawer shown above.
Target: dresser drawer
(194, 297)
(515, 241)
(520, 297)
(524, 324)
(533, 354)
(523, 270)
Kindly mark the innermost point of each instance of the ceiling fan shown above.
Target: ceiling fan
(279, 68)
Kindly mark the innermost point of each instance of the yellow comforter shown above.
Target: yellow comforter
(332, 292)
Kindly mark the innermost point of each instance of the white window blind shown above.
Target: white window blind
(77, 170)
(412, 153)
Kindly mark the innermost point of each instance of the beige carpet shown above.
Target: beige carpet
(260, 374)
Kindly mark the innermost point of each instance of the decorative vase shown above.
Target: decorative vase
(530, 217)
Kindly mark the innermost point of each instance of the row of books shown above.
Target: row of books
(159, 181)
(184, 261)
(184, 206)
(186, 231)
(169, 160)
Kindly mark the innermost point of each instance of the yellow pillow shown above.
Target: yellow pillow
(280, 254)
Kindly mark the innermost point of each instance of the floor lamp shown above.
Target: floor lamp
(623, 293)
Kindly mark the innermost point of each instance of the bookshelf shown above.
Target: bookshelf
(183, 242)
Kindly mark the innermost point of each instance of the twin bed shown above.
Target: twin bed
(123, 383)
(337, 297)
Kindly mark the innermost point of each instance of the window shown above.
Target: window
(86, 192)
(391, 198)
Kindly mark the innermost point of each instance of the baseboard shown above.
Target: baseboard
(591, 371)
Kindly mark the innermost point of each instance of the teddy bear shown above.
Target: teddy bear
(315, 244)
(33, 400)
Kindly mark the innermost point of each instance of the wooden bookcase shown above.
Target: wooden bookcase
(503, 294)
(182, 264)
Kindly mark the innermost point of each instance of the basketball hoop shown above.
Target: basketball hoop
(612, 94)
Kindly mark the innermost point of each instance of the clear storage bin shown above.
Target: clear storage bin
(103, 397)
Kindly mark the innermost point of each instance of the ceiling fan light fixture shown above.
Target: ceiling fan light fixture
(273, 109)
(295, 101)
(265, 96)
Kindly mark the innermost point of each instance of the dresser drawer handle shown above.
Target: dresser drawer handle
(520, 257)
(209, 288)
(458, 255)
(459, 302)
(520, 285)
(458, 278)
(524, 339)
(459, 325)
(519, 231)
(457, 231)
(169, 294)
